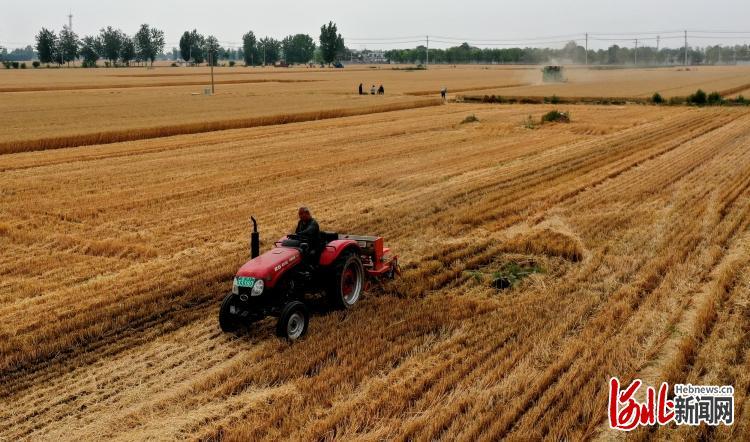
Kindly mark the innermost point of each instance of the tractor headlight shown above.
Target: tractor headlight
(235, 287)
(257, 288)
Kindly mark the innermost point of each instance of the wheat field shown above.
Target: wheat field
(636, 83)
(115, 258)
(56, 108)
(107, 105)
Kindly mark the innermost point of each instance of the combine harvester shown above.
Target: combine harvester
(553, 74)
(276, 283)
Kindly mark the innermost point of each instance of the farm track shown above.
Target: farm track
(155, 228)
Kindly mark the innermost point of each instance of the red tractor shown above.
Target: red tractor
(276, 283)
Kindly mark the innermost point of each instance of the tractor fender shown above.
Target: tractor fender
(334, 249)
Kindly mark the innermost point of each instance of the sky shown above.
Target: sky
(387, 23)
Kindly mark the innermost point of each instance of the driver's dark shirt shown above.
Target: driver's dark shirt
(309, 229)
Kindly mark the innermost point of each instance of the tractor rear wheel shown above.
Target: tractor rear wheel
(347, 281)
(293, 321)
(227, 321)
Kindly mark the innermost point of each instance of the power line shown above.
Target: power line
(515, 40)
(385, 38)
(637, 33)
(514, 44)
(707, 37)
(721, 32)
(623, 39)
(386, 42)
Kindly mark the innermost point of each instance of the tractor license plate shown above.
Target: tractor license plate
(245, 281)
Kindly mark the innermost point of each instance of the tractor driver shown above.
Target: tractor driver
(308, 228)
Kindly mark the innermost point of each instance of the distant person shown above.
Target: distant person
(443, 92)
(372, 90)
(360, 89)
(381, 90)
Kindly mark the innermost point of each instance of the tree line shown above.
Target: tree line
(110, 44)
(571, 53)
(117, 48)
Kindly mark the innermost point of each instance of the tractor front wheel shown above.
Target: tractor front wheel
(293, 321)
(227, 321)
(348, 281)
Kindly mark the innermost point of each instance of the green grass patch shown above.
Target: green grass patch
(555, 116)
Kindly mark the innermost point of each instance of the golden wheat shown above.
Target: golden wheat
(115, 257)
(115, 136)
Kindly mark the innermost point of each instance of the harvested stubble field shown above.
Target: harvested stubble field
(115, 258)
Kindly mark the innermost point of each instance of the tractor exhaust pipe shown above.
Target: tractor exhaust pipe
(254, 240)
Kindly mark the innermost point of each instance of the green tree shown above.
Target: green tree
(128, 52)
(68, 45)
(318, 56)
(112, 41)
(298, 48)
(186, 44)
(331, 42)
(198, 50)
(612, 54)
(250, 49)
(91, 48)
(142, 43)
(212, 50)
(46, 44)
(192, 46)
(268, 50)
(149, 42)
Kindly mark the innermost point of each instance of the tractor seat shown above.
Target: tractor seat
(326, 237)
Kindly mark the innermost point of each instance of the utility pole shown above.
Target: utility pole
(686, 48)
(658, 37)
(211, 62)
(264, 55)
(70, 21)
(427, 55)
(587, 49)
(636, 52)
